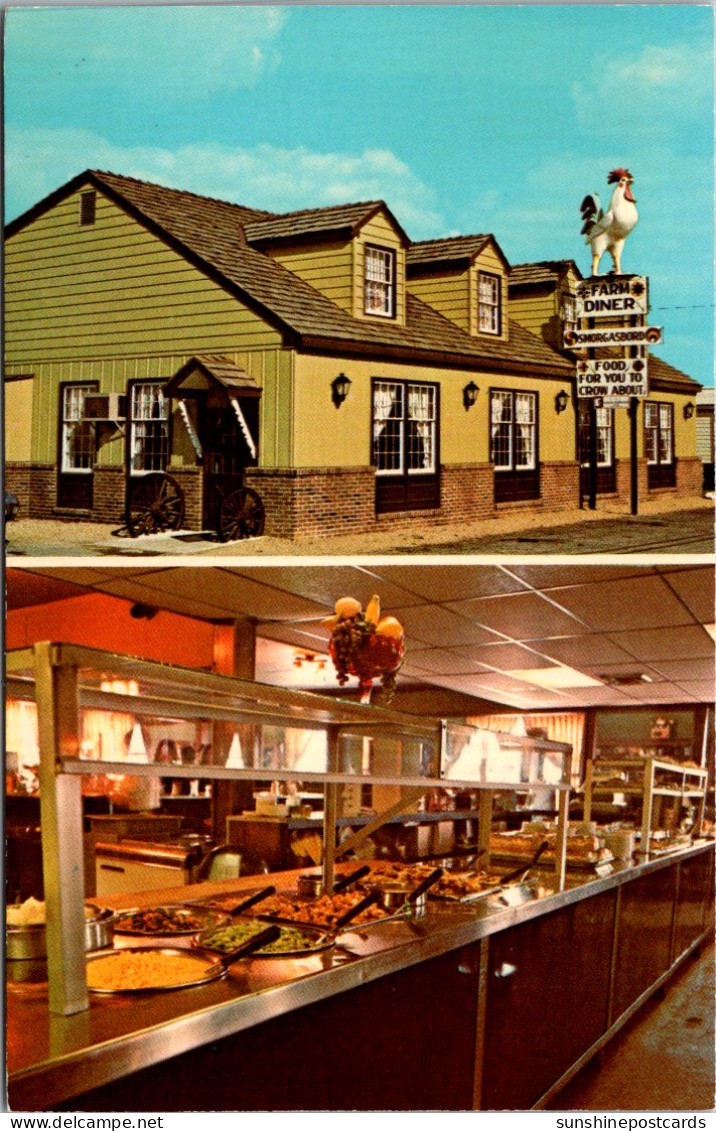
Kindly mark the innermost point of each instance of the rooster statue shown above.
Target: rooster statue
(607, 231)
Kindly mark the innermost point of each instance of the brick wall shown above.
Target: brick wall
(689, 476)
(17, 481)
(43, 491)
(189, 479)
(314, 501)
(623, 470)
(559, 485)
(108, 495)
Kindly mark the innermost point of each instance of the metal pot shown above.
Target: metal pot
(30, 940)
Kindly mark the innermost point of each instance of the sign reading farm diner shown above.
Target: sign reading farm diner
(612, 377)
(612, 296)
(614, 336)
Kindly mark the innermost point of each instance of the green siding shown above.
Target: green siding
(326, 266)
(113, 289)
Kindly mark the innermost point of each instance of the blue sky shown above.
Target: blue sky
(465, 118)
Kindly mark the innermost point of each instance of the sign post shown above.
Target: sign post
(611, 339)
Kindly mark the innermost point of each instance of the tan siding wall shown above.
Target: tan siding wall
(344, 438)
(112, 289)
(532, 313)
(447, 292)
(380, 232)
(327, 267)
(17, 397)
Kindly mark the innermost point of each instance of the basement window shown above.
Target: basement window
(88, 208)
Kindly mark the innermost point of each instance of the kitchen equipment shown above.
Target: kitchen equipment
(132, 865)
(29, 941)
(251, 900)
(199, 968)
(311, 884)
(399, 900)
(520, 874)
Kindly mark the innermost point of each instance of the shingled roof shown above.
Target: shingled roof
(449, 248)
(342, 219)
(547, 271)
(211, 234)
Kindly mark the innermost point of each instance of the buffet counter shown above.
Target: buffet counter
(471, 1006)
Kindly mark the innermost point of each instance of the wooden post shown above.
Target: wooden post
(634, 465)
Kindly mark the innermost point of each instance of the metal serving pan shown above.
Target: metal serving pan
(203, 967)
(29, 941)
(196, 919)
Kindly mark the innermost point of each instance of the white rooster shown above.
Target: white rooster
(607, 231)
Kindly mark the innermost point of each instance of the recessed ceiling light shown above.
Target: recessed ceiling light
(556, 677)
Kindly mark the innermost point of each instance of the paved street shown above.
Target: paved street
(664, 526)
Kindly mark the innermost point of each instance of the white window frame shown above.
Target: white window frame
(605, 430)
(489, 303)
(417, 404)
(379, 281)
(141, 414)
(73, 403)
(518, 400)
(662, 413)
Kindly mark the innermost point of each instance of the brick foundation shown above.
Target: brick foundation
(315, 501)
(559, 485)
(17, 481)
(108, 495)
(689, 476)
(190, 481)
(623, 471)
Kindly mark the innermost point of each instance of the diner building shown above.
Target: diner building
(309, 373)
(524, 832)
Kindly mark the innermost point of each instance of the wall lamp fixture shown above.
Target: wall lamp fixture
(561, 401)
(469, 394)
(688, 410)
(340, 386)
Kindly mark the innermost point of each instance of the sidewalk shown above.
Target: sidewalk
(664, 525)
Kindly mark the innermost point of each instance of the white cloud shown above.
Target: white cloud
(264, 176)
(645, 94)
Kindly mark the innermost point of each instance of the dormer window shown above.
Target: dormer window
(569, 311)
(489, 302)
(88, 208)
(380, 282)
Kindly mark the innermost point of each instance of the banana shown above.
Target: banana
(372, 611)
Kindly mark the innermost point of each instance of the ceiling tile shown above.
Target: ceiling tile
(522, 616)
(695, 587)
(640, 602)
(326, 584)
(434, 624)
(507, 657)
(684, 643)
(550, 577)
(679, 670)
(442, 661)
(582, 652)
(451, 582)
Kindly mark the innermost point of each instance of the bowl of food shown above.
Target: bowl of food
(26, 935)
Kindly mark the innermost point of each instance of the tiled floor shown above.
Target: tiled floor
(663, 1060)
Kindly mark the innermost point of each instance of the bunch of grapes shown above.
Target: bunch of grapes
(347, 638)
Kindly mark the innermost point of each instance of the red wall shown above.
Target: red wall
(100, 621)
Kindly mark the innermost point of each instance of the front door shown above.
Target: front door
(606, 482)
(77, 444)
(229, 440)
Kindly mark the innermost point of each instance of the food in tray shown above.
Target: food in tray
(165, 920)
(144, 970)
(228, 938)
(32, 913)
(321, 912)
(464, 885)
(580, 849)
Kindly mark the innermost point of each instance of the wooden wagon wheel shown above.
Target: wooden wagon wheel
(156, 503)
(241, 515)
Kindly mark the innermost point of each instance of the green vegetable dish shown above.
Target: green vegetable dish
(225, 939)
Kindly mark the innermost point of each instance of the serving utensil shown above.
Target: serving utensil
(520, 874)
(244, 904)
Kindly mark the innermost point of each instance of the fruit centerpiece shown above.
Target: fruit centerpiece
(365, 645)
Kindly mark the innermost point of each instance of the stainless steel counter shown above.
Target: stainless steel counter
(53, 1058)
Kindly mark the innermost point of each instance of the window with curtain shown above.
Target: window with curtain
(489, 297)
(148, 427)
(513, 444)
(380, 282)
(405, 444)
(659, 443)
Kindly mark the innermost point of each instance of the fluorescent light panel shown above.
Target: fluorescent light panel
(553, 678)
